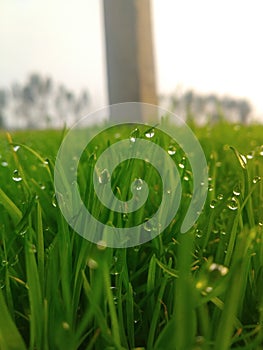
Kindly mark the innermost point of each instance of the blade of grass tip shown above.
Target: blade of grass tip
(10, 338)
(246, 184)
(38, 156)
(11, 208)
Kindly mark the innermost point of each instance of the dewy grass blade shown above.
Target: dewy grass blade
(10, 207)
(40, 247)
(10, 338)
(35, 297)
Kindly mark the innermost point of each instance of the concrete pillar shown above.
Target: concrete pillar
(129, 50)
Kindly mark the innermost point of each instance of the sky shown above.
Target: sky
(210, 46)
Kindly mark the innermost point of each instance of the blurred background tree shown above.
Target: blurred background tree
(40, 103)
(201, 108)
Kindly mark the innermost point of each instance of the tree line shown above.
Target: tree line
(40, 103)
(208, 107)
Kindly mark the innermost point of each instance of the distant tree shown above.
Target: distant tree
(40, 103)
(209, 107)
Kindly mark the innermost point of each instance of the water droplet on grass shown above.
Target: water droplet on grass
(213, 204)
(4, 164)
(220, 196)
(198, 233)
(210, 188)
(4, 262)
(101, 245)
(232, 204)
(149, 133)
(209, 289)
(137, 184)
(171, 150)
(104, 176)
(261, 151)
(16, 148)
(92, 264)
(182, 163)
(147, 226)
(236, 191)
(32, 248)
(256, 179)
(223, 270)
(16, 176)
(134, 135)
(250, 155)
(54, 200)
(125, 217)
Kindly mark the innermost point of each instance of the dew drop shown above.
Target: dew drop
(233, 204)
(236, 191)
(92, 264)
(220, 196)
(181, 165)
(198, 233)
(4, 164)
(250, 155)
(171, 150)
(149, 133)
(134, 135)
(223, 270)
(256, 179)
(210, 188)
(101, 245)
(16, 148)
(125, 217)
(147, 226)
(213, 204)
(32, 248)
(114, 291)
(16, 176)
(209, 289)
(137, 184)
(4, 262)
(104, 176)
(54, 200)
(261, 150)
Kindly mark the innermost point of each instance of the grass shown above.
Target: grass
(200, 290)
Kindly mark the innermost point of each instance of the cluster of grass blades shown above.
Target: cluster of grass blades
(195, 291)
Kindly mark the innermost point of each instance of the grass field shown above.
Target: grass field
(199, 290)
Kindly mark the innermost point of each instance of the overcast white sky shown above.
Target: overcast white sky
(206, 45)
